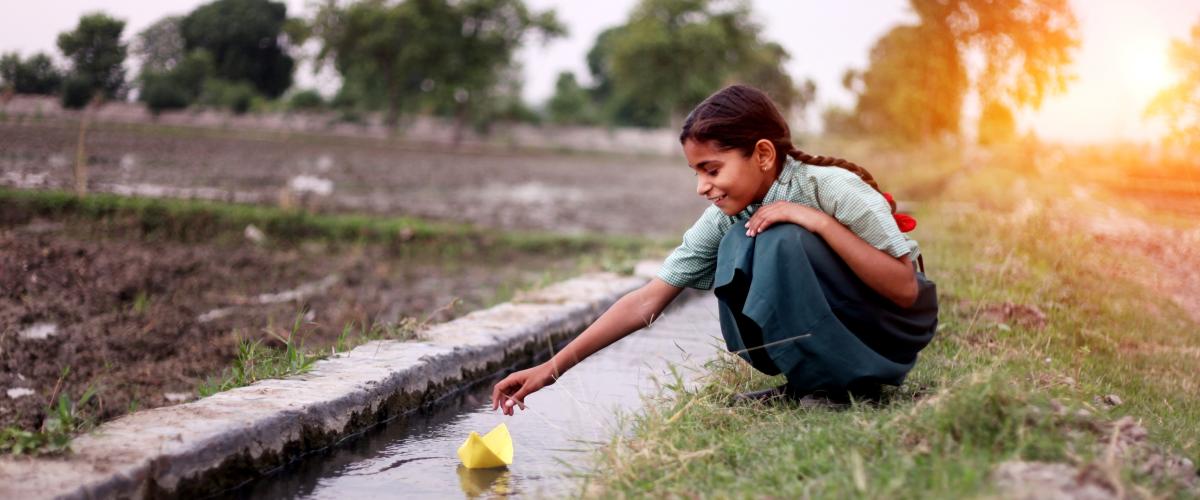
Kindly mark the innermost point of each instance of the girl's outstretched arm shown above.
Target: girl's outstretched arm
(634, 311)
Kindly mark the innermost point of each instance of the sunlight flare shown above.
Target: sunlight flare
(1146, 67)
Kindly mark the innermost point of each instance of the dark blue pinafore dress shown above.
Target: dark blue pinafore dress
(789, 304)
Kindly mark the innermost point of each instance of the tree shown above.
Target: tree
(913, 86)
(243, 38)
(35, 75)
(614, 109)
(571, 102)
(997, 125)
(671, 54)
(917, 79)
(501, 102)
(764, 67)
(1026, 45)
(448, 57)
(1180, 103)
(171, 77)
(180, 85)
(96, 54)
(160, 46)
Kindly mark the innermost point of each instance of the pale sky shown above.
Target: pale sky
(1120, 66)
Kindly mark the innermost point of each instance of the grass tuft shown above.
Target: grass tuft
(65, 418)
(256, 361)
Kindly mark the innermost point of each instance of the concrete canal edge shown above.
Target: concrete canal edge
(213, 444)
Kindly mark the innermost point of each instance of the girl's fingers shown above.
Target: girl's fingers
(758, 222)
(519, 397)
(496, 395)
(763, 218)
(762, 227)
(753, 223)
(517, 400)
(501, 391)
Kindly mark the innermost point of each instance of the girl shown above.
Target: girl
(813, 276)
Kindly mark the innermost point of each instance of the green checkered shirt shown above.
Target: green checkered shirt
(835, 191)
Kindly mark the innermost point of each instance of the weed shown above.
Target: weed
(141, 302)
(65, 417)
(255, 361)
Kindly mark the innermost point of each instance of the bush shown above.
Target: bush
(161, 93)
(192, 72)
(235, 96)
(178, 87)
(571, 103)
(77, 92)
(306, 100)
(35, 75)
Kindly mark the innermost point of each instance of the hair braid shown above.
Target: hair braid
(829, 161)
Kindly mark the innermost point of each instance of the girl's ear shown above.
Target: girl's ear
(764, 154)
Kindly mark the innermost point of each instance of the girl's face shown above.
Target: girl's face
(730, 179)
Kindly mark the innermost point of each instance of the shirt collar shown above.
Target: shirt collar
(778, 190)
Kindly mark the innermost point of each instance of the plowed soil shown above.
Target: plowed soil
(126, 315)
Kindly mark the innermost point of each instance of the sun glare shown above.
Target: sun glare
(1147, 69)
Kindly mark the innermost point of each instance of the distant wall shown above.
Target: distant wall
(421, 129)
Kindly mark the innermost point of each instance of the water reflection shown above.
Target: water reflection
(485, 482)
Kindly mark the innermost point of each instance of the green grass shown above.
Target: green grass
(195, 221)
(984, 392)
(256, 361)
(64, 420)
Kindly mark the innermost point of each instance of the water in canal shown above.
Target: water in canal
(553, 438)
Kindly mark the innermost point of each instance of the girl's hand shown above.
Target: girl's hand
(784, 211)
(513, 389)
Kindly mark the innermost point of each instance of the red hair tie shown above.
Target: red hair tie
(906, 222)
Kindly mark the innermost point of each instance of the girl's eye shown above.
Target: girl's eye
(712, 172)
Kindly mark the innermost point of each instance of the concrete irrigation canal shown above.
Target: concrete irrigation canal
(564, 424)
(385, 419)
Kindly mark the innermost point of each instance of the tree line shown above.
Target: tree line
(455, 59)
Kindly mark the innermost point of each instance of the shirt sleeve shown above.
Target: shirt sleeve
(693, 264)
(863, 210)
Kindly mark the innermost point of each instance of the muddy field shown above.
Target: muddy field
(570, 193)
(145, 321)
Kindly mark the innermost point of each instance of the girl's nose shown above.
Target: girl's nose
(702, 186)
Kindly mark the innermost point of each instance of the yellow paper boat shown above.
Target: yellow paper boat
(494, 449)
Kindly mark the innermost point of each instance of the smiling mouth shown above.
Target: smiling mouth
(717, 199)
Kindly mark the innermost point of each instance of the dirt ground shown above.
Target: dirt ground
(145, 322)
(563, 192)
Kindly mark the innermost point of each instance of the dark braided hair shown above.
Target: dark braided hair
(738, 116)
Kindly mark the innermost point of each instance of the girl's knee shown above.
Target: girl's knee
(788, 242)
(790, 237)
